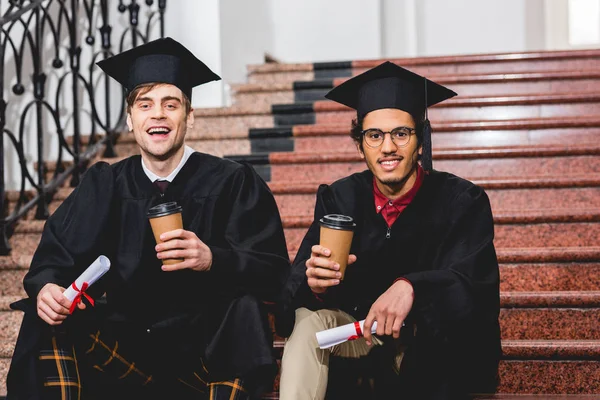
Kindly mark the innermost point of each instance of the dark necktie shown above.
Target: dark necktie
(161, 185)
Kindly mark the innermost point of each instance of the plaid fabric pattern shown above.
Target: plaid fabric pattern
(62, 368)
(61, 372)
(227, 390)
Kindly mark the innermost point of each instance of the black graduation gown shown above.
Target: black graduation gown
(443, 244)
(226, 204)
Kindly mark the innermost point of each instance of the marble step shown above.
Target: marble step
(475, 163)
(551, 235)
(505, 63)
(523, 316)
(533, 367)
(576, 192)
(532, 228)
(519, 276)
(459, 108)
(300, 203)
(490, 131)
(239, 118)
(475, 84)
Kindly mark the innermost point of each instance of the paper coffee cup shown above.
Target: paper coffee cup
(336, 235)
(164, 218)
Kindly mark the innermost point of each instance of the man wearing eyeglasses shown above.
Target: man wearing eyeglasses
(422, 262)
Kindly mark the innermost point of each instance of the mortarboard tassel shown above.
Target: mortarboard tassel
(426, 159)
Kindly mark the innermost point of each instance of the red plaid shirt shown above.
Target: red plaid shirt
(391, 209)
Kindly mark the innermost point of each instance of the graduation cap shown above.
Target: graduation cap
(163, 61)
(391, 86)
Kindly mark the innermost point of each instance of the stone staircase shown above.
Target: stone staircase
(524, 126)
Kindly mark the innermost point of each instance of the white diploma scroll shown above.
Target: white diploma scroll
(341, 334)
(88, 277)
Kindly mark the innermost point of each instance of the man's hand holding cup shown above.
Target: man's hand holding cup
(328, 260)
(323, 272)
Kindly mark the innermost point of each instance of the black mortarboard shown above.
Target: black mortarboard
(391, 86)
(163, 60)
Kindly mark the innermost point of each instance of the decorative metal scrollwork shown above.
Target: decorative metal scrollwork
(48, 40)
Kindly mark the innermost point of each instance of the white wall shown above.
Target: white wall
(339, 30)
(331, 30)
(196, 25)
(246, 35)
(470, 26)
(399, 28)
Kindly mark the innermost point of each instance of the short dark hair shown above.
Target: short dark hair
(357, 128)
(144, 88)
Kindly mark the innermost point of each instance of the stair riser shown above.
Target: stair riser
(23, 244)
(281, 77)
(532, 235)
(509, 87)
(10, 323)
(474, 168)
(216, 147)
(522, 277)
(442, 69)
(550, 277)
(500, 112)
(266, 99)
(204, 127)
(464, 89)
(336, 143)
(324, 143)
(552, 377)
(515, 324)
(12, 282)
(550, 324)
(343, 143)
(501, 199)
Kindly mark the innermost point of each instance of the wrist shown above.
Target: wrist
(406, 285)
(318, 291)
(206, 259)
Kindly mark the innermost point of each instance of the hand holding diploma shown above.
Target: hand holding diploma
(54, 303)
(344, 333)
(341, 334)
(77, 289)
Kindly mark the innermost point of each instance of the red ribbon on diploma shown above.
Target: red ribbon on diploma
(358, 331)
(80, 293)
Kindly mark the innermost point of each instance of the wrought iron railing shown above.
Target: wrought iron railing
(49, 38)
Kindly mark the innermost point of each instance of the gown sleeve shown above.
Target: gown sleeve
(462, 285)
(74, 236)
(296, 292)
(253, 256)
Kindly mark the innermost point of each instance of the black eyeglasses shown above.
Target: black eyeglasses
(400, 136)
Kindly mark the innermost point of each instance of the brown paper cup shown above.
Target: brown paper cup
(164, 218)
(336, 235)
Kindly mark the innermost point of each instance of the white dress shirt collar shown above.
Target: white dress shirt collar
(187, 152)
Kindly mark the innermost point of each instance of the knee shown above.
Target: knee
(248, 303)
(250, 311)
(307, 324)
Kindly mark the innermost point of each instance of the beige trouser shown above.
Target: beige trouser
(304, 366)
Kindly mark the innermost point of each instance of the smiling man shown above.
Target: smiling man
(422, 262)
(194, 329)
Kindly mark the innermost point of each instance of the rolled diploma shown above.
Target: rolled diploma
(90, 275)
(340, 334)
